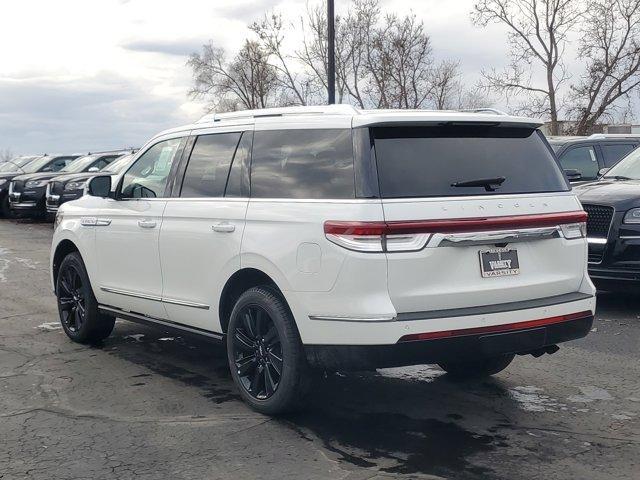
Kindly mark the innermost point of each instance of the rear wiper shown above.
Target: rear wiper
(487, 183)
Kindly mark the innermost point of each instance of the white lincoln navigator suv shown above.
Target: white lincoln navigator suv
(331, 238)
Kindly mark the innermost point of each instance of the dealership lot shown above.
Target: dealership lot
(148, 404)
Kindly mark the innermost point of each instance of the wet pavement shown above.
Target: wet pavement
(148, 404)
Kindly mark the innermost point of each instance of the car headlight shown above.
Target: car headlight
(75, 185)
(35, 183)
(632, 216)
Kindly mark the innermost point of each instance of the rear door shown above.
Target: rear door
(432, 178)
(203, 224)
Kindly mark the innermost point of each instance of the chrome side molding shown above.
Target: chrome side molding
(155, 298)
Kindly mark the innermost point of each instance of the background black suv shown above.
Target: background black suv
(583, 157)
(25, 190)
(8, 171)
(613, 226)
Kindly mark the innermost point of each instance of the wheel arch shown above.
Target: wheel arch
(236, 285)
(64, 248)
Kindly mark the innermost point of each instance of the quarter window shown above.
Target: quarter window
(208, 168)
(302, 164)
(149, 175)
(582, 159)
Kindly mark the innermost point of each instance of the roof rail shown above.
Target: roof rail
(337, 109)
(614, 135)
(494, 111)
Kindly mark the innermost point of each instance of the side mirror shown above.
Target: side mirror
(573, 175)
(94, 169)
(603, 171)
(100, 186)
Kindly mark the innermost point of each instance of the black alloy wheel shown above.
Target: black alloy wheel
(80, 316)
(257, 351)
(71, 299)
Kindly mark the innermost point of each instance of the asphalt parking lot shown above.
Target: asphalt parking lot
(150, 405)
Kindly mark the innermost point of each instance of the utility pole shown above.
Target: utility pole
(331, 61)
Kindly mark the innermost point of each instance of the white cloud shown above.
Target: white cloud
(79, 75)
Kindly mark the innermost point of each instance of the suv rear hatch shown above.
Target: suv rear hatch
(485, 209)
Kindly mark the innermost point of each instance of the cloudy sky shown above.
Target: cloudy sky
(78, 75)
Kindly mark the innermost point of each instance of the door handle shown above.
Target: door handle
(147, 223)
(223, 227)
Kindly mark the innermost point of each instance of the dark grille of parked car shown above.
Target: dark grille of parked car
(599, 220)
(598, 225)
(57, 188)
(18, 185)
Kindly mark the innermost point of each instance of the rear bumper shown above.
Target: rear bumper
(452, 348)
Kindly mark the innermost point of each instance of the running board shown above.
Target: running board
(156, 322)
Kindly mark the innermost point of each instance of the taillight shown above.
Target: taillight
(374, 237)
(413, 235)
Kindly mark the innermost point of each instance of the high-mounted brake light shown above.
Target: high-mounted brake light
(413, 235)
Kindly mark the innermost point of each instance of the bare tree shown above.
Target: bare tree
(538, 31)
(247, 81)
(381, 61)
(610, 45)
(445, 84)
(6, 154)
(270, 31)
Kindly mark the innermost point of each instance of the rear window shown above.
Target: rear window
(307, 163)
(428, 161)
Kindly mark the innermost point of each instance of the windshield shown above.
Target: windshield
(118, 164)
(628, 167)
(15, 164)
(36, 165)
(464, 160)
(80, 164)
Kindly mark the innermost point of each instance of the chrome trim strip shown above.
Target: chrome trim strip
(354, 318)
(184, 303)
(497, 308)
(139, 318)
(630, 237)
(465, 311)
(155, 298)
(597, 241)
(491, 237)
(129, 293)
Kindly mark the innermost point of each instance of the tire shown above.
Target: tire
(482, 367)
(265, 354)
(77, 306)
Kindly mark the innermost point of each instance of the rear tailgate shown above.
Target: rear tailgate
(489, 243)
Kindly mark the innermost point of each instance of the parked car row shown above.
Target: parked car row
(36, 185)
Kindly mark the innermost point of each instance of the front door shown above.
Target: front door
(127, 234)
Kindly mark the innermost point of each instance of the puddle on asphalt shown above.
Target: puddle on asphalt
(396, 443)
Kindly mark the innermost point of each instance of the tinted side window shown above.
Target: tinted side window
(238, 182)
(302, 164)
(614, 152)
(103, 162)
(208, 167)
(149, 175)
(582, 159)
(58, 164)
